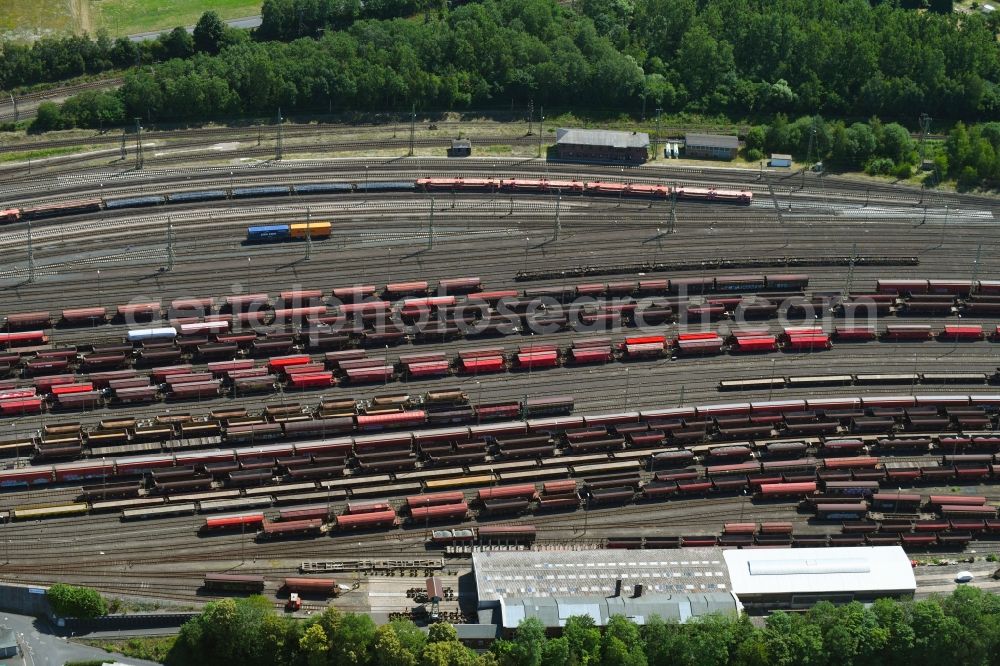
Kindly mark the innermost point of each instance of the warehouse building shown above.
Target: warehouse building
(765, 579)
(781, 160)
(556, 585)
(711, 146)
(602, 146)
(679, 585)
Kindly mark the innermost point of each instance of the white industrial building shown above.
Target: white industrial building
(679, 584)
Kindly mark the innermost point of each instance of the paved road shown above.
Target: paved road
(245, 22)
(44, 648)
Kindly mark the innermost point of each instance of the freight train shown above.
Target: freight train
(513, 186)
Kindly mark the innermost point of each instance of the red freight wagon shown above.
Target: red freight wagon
(546, 359)
(279, 362)
(311, 380)
(222, 367)
(65, 389)
(428, 369)
(433, 499)
(393, 420)
(440, 512)
(964, 332)
(88, 315)
(352, 294)
(956, 500)
(29, 320)
(902, 287)
(482, 364)
(520, 491)
(768, 490)
(291, 528)
(23, 339)
(379, 373)
(300, 295)
(855, 333)
(851, 463)
(17, 393)
(234, 522)
(139, 309)
(907, 332)
(45, 384)
(404, 288)
(159, 375)
(459, 285)
(26, 476)
(20, 406)
(493, 296)
(366, 520)
(305, 369)
(328, 447)
(285, 314)
(319, 586)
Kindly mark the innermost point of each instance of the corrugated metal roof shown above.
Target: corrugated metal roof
(819, 570)
(779, 156)
(711, 141)
(608, 138)
(528, 574)
(554, 611)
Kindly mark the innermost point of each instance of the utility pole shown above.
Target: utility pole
(656, 135)
(809, 152)
(124, 151)
(413, 128)
(138, 145)
(975, 269)
(925, 126)
(430, 227)
(541, 132)
(850, 269)
(14, 102)
(170, 244)
(673, 209)
(531, 114)
(556, 226)
(280, 147)
(309, 235)
(31, 257)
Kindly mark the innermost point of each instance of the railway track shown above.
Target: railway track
(370, 241)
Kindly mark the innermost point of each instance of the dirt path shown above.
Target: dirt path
(82, 21)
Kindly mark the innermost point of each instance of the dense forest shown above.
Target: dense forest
(832, 57)
(963, 628)
(743, 59)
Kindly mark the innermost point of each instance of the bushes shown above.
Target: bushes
(73, 601)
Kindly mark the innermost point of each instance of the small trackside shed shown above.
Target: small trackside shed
(711, 146)
(602, 145)
(765, 579)
(779, 160)
(460, 148)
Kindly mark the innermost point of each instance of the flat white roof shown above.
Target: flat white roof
(813, 570)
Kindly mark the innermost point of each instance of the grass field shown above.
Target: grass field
(29, 19)
(127, 17)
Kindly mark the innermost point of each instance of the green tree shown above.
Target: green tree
(313, 645)
(584, 640)
(389, 650)
(528, 642)
(447, 653)
(441, 632)
(73, 601)
(555, 652)
(410, 636)
(895, 143)
(353, 640)
(48, 117)
(178, 43)
(210, 33)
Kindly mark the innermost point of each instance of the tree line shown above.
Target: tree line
(970, 155)
(739, 57)
(59, 58)
(963, 628)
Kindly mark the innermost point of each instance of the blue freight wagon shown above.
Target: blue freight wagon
(198, 195)
(268, 232)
